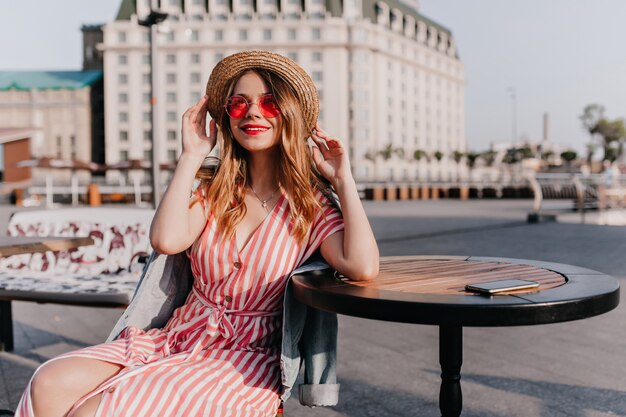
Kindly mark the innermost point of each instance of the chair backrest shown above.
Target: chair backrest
(120, 235)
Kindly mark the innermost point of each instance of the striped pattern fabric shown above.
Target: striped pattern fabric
(218, 355)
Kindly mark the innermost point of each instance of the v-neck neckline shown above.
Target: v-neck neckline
(239, 251)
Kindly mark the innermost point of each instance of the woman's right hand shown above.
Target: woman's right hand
(194, 134)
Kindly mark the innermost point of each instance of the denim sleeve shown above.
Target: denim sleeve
(319, 354)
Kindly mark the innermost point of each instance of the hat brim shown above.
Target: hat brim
(234, 65)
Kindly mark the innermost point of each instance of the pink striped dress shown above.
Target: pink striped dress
(218, 355)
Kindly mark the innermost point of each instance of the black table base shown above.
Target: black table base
(450, 359)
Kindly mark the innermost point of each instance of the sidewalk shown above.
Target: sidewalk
(575, 369)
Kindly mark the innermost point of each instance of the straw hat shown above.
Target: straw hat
(233, 65)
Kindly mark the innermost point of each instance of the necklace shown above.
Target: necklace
(264, 202)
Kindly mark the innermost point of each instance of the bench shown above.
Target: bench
(582, 191)
(104, 274)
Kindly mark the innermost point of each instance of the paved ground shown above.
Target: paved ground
(575, 369)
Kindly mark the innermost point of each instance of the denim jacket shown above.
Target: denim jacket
(309, 336)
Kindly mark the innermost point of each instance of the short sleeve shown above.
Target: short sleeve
(197, 195)
(327, 221)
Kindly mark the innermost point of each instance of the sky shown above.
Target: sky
(558, 56)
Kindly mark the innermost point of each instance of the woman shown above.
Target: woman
(253, 220)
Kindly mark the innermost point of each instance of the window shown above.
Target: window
(145, 78)
(171, 155)
(123, 136)
(293, 56)
(147, 116)
(170, 78)
(195, 36)
(316, 34)
(145, 58)
(173, 2)
(317, 76)
(170, 97)
(219, 35)
(59, 146)
(123, 98)
(171, 135)
(268, 2)
(170, 58)
(316, 57)
(197, 2)
(195, 58)
(195, 97)
(121, 36)
(195, 78)
(122, 60)
(267, 34)
(147, 135)
(123, 155)
(171, 116)
(147, 155)
(123, 116)
(243, 35)
(146, 36)
(170, 36)
(291, 34)
(122, 78)
(221, 2)
(146, 97)
(219, 56)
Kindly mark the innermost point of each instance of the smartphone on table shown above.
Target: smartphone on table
(503, 285)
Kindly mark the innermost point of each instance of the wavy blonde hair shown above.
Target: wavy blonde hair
(224, 186)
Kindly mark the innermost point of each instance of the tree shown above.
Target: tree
(547, 155)
(471, 159)
(568, 156)
(419, 154)
(612, 132)
(438, 155)
(512, 156)
(489, 157)
(592, 114)
(525, 152)
(458, 156)
(386, 152)
(591, 149)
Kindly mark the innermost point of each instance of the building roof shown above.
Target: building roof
(48, 80)
(335, 7)
(369, 11)
(127, 9)
(9, 134)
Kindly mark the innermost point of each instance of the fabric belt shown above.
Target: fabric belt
(216, 321)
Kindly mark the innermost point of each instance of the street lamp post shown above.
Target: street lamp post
(151, 22)
(511, 90)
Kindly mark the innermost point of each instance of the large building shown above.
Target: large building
(390, 80)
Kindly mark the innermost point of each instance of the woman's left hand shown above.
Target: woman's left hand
(330, 157)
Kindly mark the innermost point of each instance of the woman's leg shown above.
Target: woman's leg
(58, 384)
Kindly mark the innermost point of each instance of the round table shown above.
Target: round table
(431, 290)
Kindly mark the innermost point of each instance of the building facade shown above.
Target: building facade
(59, 107)
(390, 80)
